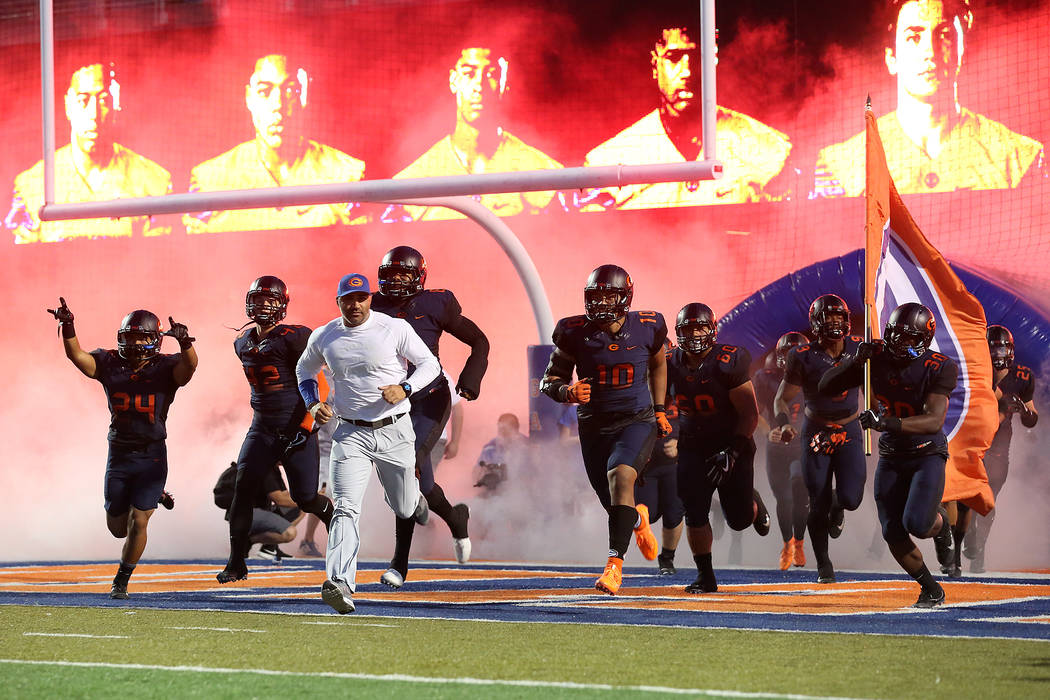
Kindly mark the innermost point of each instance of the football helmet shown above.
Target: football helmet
(820, 311)
(402, 259)
(140, 322)
(909, 331)
(1001, 346)
(266, 287)
(789, 340)
(604, 279)
(693, 316)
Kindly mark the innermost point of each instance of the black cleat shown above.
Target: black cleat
(705, 583)
(826, 574)
(166, 500)
(119, 590)
(955, 571)
(234, 571)
(836, 521)
(666, 566)
(761, 523)
(930, 599)
(944, 542)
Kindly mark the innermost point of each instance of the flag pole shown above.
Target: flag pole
(868, 294)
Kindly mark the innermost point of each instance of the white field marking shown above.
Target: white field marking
(346, 624)
(492, 620)
(402, 678)
(70, 634)
(217, 629)
(1025, 619)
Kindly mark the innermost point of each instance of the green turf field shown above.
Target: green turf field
(161, 653)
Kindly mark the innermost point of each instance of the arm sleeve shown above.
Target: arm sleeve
(793, 370)
(844, 375)
(944, 382)
(412, 348)
(307, 367)
(1028, 388)
(465, 330)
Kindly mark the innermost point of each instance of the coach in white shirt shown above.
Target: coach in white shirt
(368, 353)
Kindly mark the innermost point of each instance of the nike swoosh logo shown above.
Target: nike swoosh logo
(631, 347)
(419, 317)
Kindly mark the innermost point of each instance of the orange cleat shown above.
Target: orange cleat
(643, 534)
(609, 582)
(800, 552)
(787, 555)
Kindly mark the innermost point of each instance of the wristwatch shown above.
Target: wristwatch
(407, 388)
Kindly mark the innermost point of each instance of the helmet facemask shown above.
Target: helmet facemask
(392, 287)
(604, 304)
(263, 313)
(696, 336)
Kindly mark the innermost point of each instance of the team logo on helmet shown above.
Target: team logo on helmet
(909, 331)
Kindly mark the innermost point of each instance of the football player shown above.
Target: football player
(784, 461)
(1014, 387)
(140, 385)
(912, 384)
(711, 385)
(280, 428)
(657, 488)
(831, 446)
(430, 312)
(621, 370)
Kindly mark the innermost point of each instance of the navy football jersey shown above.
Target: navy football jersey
(138, 398)
(806, 364)
(269, 366)
(1019, 381)
(767, 383)
(902, 389)
(617, 364)
(702, 394)
(429, 312)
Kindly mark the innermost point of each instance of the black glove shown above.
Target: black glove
(1014, 404)
(719, 465)
(65, 318)
(180, 333)
(299, 438)
(870, 420)
(827, 440)
(866, 350)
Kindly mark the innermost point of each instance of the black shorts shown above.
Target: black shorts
(135, 476)
(609, 440)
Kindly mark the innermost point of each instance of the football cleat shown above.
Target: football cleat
(955, 571)
(705, 583)
(643, 534)
(836, 521)
(610, 580)
(392, 578)
(273, 553)
(761, 522)
(337, 595)
(826, 574)
(422, 512)
(943, 541)
(666, 565)
(800, 552)
(234, 571)
(787, 555)
(930, 599)
(462, 547)
(119, 590)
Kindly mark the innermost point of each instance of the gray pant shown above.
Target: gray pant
(355, 449)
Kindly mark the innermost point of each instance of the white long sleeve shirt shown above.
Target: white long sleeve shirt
(365, 357)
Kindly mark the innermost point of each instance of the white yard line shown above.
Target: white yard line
(401, 678)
